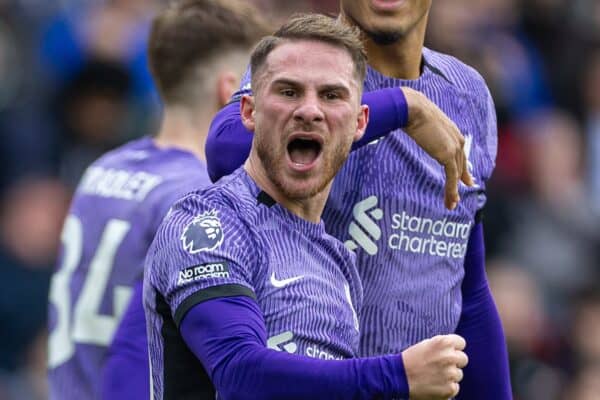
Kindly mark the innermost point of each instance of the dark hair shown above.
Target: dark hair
(316, 27)
(98, 77)
(190, 33)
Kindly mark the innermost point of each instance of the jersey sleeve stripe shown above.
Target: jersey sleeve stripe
(229, 290)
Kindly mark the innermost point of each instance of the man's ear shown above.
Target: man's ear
(362, 122)
(247, 108)
(227, 83)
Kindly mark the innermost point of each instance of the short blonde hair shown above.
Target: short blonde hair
(316, 27)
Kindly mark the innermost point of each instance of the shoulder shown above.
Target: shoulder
(117, 154)
(482, 112)
(474, 89)
(179, 176)
(461, 75)
(205, 227)
(202, 219)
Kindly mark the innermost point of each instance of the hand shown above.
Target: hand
(434, 367)
(441, 139)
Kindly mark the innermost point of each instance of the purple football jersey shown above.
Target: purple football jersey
(386, 205)
(115, 212)
(232, 239)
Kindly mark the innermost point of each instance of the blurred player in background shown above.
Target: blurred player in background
(243, 273)
(422, 266)
(197, 50)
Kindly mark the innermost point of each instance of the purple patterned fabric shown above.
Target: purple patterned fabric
(114, 215)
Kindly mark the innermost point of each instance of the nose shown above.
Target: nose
(309, 110)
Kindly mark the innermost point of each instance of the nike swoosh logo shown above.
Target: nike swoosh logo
(283, 282)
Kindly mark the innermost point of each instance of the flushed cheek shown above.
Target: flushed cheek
(343, 126)
(276, 106)
(276, 119)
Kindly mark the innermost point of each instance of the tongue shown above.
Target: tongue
(303, 155)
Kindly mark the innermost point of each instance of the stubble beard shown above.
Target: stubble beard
(271, 165)
(380, 37)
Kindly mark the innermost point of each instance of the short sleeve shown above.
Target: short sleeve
(202, 250)
(487, 141)
(491, 133)
(482, 144)
(166, 196)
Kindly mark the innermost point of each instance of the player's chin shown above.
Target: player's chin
(391, 26)
(305, 187)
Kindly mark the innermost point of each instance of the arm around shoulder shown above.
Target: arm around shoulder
(228, 143)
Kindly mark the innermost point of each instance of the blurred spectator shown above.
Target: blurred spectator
(10, 73)
(280, 10)
(585, 385)
(585, 332)
(30, 381)
(545, 22)
(110, 30)
(93, 113)
(29, 146)
(532, 343)
(586, 15)
(591, 100)
(19, 123)
(556, 233)
(486, 35)
(31, 215)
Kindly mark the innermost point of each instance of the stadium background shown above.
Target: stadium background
(74, 83)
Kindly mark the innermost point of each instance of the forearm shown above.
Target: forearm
(125, 373)
(475, 278)
(260, 373)
(228, 336)
(388, 111)
(487, 375)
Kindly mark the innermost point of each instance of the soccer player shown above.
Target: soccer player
(422, 266)
(243, 286)
(197, 51)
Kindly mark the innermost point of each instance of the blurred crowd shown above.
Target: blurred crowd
(74, 83)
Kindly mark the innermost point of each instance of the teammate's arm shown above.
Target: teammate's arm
(229, 142)
(487, 375)
(125, 372)
(228, 335)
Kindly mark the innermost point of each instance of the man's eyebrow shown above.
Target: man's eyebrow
(332, 87)
(286, 82)
(327, 87)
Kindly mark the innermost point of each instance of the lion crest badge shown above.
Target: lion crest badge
(204, 233)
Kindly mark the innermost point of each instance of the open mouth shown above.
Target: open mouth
(304, 151)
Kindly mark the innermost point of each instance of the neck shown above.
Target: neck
(184, 129)
(401, 59)
(309, 209)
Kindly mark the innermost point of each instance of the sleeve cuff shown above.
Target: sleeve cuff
(213, 292)
(399, 100)
(398, 376)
